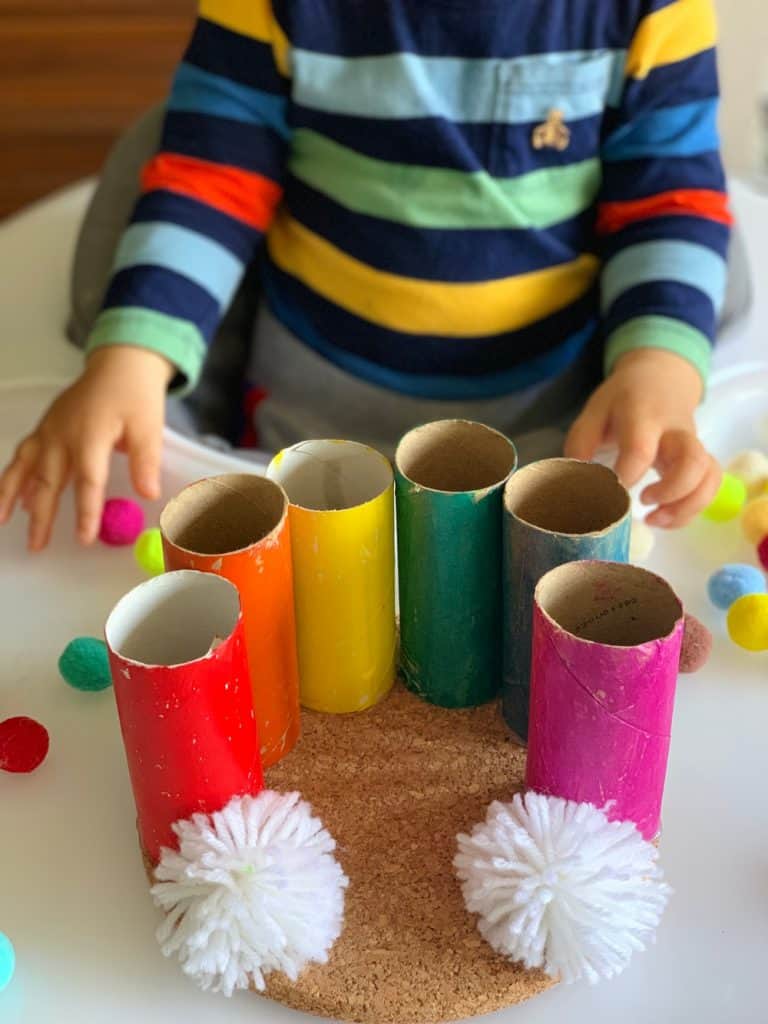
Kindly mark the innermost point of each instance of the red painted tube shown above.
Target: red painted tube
(183, 693)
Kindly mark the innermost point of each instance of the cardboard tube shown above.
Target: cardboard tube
(449, 480)
(555, 511)
(236, 526)
(180, 672)
(342, 532)
(606, 652)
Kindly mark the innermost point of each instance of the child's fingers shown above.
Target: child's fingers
(49, 477)
(587, 433)
(15, 476)
(144, 452)
(91, 472)
(678, 513)
(683, 464)
(638, 439)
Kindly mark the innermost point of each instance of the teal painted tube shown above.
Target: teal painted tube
(555, 511)
(449, 482)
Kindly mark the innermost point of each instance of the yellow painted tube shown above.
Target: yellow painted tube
(342, 535)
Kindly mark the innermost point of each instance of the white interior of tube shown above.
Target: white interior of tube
(565, 496)
(223, 514)
(331, 475)
(455, 456)
(174, 618)
(609, 603)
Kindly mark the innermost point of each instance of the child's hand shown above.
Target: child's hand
(646, 407)
(118, 402)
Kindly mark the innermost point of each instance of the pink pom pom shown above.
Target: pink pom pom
(697, 645)
(23, 745)
(121, 522)
(762, 552)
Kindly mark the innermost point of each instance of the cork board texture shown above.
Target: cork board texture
(394, 785)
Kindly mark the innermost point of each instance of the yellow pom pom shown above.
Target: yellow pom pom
(748, 622)
(729, 500)
(148, 552)
(754, 521)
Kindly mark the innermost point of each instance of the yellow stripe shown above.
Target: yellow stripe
(676, 32)
(425, 307)
(253, 18)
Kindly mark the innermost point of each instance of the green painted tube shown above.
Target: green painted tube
(449, 480)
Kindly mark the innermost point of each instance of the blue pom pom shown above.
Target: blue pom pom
(85, 664)
(7, 961)
(731, 582)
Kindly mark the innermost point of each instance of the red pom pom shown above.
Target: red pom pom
(762, 552)
(121, 522)
(23, 744)
(697, 645)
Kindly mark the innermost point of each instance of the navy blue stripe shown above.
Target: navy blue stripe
(231, 55)
(251, 147)
(688, 229)
(685, 81)
(426, 353)
(476, 28)
(663, 298)
(504, 150)
(230, 232)
(638, 179)
(437, 254)
(164, 291)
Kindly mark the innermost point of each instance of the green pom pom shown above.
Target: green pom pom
(729, 500)
(148, 551)
(84, 664)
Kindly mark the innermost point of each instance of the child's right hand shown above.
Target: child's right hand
(117, 403)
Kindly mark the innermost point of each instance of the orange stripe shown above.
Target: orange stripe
(692, 202)
(249, 197)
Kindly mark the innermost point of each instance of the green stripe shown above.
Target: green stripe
(660, 332)
(178, 340)
(438, 197)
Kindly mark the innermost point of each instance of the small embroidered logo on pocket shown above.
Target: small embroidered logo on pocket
(554, 133)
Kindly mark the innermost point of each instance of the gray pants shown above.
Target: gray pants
(307, 396)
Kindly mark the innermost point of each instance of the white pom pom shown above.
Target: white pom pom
(642, 541)
(253, 888)
(558, 886)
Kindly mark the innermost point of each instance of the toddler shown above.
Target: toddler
(504, 210)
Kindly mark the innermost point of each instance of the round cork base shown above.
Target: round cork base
(394, 785)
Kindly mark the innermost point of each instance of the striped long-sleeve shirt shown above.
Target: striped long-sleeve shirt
(458, 196)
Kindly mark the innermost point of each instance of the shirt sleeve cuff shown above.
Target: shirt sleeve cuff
(178, 340)
(661, 332)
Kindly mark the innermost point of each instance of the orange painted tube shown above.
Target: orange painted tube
(237, 526)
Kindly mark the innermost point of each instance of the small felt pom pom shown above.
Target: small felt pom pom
(731, 582)
(7, 961)
(252, 889)
(121, 522)
(556, 885)
(748, 622)
(752, 468)
(754, 521)
(24, 745)
(762, 552)
(84, 664)
(697, 645)
(728, 501)
(148, 552)
(641, 541)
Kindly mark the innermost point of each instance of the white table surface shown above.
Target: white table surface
(73, 896)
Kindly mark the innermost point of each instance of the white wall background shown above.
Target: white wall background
(744, 76)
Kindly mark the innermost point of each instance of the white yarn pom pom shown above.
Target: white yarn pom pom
(253, 888)
(558, 886)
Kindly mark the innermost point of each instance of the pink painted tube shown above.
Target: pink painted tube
(606, 653)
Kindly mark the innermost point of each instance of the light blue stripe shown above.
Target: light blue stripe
(439, 386)
(509, 91)
(201, 92)
(672, 131)
(186, 252)
(682, 262)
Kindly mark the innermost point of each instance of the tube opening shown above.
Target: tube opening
(173, 619)
(455, 456)
(331, 476)
(566, 496)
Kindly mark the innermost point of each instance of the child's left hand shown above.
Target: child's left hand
(646, 408)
